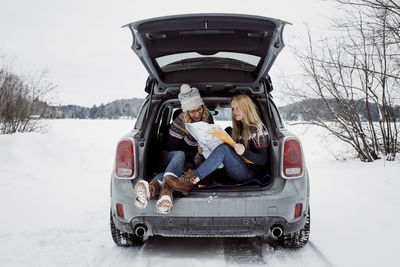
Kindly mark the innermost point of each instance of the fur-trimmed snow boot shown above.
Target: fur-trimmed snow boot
(184, 183)
(142, 192)
(154, 188)
(165, 202)
(145, 191)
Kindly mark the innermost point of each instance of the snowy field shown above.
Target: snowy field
(54, 195)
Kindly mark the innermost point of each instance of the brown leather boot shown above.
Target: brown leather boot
(184, 183)
(154, 188)
(165, 202)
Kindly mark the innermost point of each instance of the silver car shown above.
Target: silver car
(222, 55)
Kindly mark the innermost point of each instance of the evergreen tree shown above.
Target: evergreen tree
(94, 112)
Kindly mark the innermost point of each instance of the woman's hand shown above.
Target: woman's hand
(239, 149)
(200, 150)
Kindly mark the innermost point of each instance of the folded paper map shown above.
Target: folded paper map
(209, 136)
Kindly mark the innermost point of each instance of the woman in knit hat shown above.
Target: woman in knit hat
(182, 149)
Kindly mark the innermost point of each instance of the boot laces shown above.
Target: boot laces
(187, 177)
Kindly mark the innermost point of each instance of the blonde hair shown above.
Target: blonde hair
(204, 117)
(250, 119)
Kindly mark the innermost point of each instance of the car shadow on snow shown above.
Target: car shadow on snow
(170, 251)
(230, 250)
(249, 251)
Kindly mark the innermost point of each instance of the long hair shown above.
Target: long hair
(250, 119)
(204, 117)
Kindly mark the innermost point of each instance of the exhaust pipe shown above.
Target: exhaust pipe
(140, 230)
(276, 231)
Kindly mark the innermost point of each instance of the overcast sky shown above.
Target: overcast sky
(87, 54)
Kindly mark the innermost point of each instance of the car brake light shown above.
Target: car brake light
(297, 210)
(120, 210)
(292, 158)
(124, 164)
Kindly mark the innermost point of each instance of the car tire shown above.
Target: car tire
(297, 239)
(122, 238)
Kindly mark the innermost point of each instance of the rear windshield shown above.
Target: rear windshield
(220, 60)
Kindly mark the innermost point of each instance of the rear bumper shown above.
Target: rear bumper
(210, 226)
(216, 213)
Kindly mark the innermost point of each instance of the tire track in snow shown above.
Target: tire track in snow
(243, 250)
(308, 256)
(303, 257)
(320, 254)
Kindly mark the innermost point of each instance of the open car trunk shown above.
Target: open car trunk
(207, 48)
(218, 180)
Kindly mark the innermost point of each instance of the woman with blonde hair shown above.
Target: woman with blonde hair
(182, 151)
(252, 139)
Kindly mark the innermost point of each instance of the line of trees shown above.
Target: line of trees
(362, 63)
(305, 110)
(112, 112)
(128, 108)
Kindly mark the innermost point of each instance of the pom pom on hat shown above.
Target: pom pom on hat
(189, 97)
(185, 88)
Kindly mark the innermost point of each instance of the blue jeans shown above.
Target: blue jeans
(175, 162)
(234, 165)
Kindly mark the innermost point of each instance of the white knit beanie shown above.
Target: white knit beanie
(189, 97)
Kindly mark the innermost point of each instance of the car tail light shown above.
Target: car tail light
(297, 210)
(292, 159)
(124, 163)
(120, 210)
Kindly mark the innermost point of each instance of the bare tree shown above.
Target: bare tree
(22, 101)
(357, 75)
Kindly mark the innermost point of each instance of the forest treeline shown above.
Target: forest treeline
(128, 108)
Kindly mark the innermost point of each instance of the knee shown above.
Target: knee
(224, 147)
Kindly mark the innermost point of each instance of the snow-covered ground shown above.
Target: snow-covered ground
(54, 197)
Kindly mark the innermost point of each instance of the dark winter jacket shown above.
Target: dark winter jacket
(257, 152)
(180, 139)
